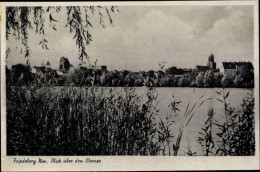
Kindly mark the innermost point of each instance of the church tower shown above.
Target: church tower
(211, 62)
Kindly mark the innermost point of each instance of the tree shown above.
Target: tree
(139, 81)
(227, 80)
(151, 73)
(218, 80)
(21, 74)
(175, 81)
(164, 81)
(184, 81)
(238, 80)
(180, 82)
(193, 75)
(199, 79)
(171, 71)
(130, 79)
(104, 79)
(20, 19)
(247, 78)
(209, 79)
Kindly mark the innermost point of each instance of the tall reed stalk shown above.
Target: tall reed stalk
(80, 121)
(237, 135)
(205, 138)
(187, 116)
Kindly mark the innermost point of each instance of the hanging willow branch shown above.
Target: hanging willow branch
(20, 19)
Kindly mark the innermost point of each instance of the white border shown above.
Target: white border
(119, 163)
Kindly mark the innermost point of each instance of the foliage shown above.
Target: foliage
(88, 77)
(227, 80)
(20, 74)
(82, 121)
(20, 19)
(236, 135)
(237, 132)
(238, 80)
(209, 79)
(205, 138)
(187, 116)
(69, 120)
(244, 79)
(199, 79)
(189, 151)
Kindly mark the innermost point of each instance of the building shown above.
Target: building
(231, 68)
(177, 71)
(199, 68)
(211, 62)
(64, 65)
(95, 68)
(211, 65)
(244, 66)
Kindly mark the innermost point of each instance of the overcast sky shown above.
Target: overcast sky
(142, 37)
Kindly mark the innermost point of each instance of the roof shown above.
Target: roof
(42, 68)
(48, 63)
(233, 65)
(202, 67)
(229, 65)
(63, 59)
(97, 67)
(244, 65)
(211, 55)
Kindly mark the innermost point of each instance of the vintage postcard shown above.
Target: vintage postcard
(90, 86)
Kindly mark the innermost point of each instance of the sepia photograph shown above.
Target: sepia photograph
(138, 80)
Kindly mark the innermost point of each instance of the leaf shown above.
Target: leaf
(201, 97)
(178, 102)
(220, 100)
(176, 109)
(90, 24)
(51, 19)
(218, 92)
(217, 151)
(227, 95)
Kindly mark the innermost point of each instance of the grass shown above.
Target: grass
(187, 116)
(84, 120)
(236, 135)
(205, 138)
(80, 121)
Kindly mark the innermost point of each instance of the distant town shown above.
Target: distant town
(231, 74)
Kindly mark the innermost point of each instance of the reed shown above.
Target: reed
(237, 134)
(190, 111)
(95, 120)
(81, 121)
(205, 138)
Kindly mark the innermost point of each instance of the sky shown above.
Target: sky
(141, 37)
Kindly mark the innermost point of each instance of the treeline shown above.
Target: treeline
(23, 75)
